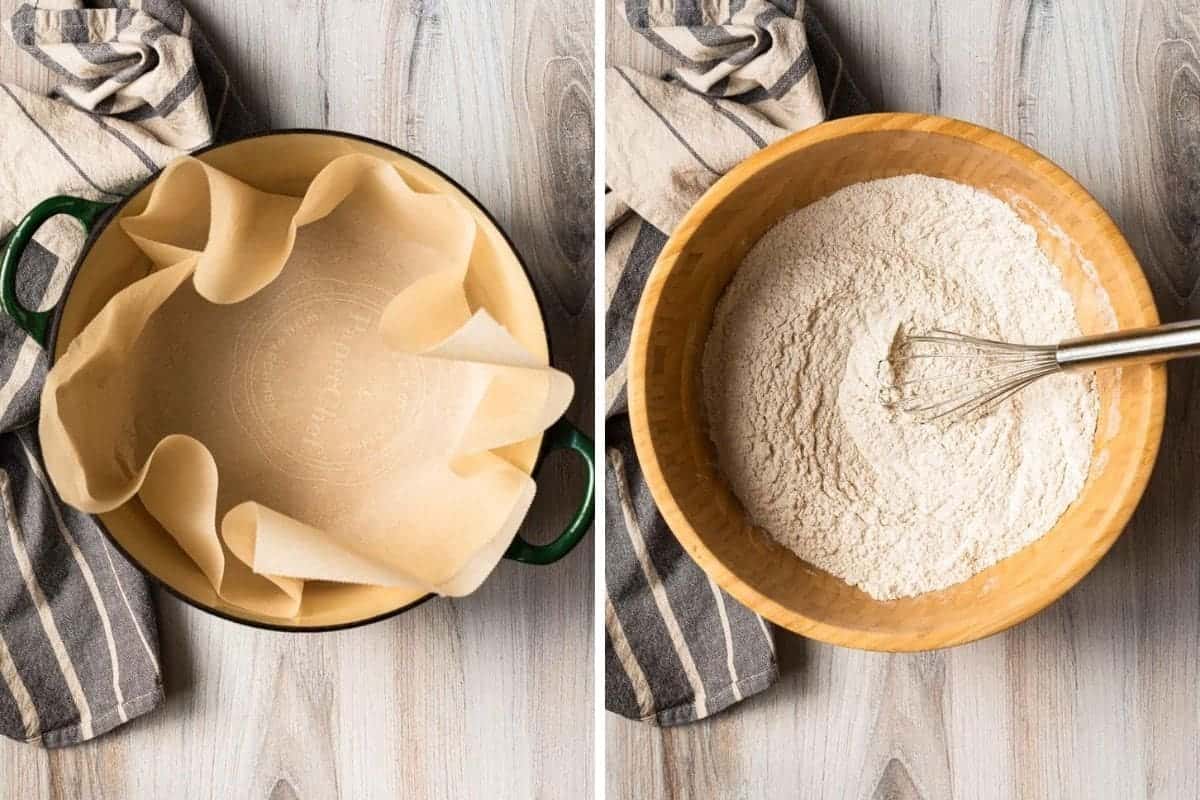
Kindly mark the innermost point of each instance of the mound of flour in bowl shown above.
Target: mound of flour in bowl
(791, 381)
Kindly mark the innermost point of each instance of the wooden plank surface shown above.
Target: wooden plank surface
(488, 696)
(1098, 696)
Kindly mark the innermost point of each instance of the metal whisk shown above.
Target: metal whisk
(979, 372)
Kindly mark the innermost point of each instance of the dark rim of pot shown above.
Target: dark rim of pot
(102, 225)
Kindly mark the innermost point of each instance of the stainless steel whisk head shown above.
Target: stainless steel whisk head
(942, 374)
(946, 374)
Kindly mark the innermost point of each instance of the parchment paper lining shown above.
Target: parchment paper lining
(300, 390)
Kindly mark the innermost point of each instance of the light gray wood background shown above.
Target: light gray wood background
(488, 696)
(1099, 696)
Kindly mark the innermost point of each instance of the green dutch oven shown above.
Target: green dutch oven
(285, 162)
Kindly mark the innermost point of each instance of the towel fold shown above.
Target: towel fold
(749, 73)
(141, 85)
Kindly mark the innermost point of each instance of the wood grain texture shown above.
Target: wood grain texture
(1099, 695)
(487, 696)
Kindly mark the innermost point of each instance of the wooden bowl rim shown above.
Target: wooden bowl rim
(687, 535)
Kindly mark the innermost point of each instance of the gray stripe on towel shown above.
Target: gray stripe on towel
(54, 142)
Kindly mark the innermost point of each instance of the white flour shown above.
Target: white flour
(791, 384)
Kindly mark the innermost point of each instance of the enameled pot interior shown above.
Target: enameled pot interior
(286, 163)
(702, 256)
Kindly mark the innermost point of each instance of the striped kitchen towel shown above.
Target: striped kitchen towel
(749, 72)
(78, 638)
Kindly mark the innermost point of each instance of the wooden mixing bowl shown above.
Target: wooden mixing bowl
(676, 311)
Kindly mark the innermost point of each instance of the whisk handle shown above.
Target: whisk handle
(1136, 346)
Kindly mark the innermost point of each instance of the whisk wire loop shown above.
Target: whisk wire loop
(941, 336)
(978, 373)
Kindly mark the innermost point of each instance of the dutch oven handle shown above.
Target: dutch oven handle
(37, 323)
(562, 435)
